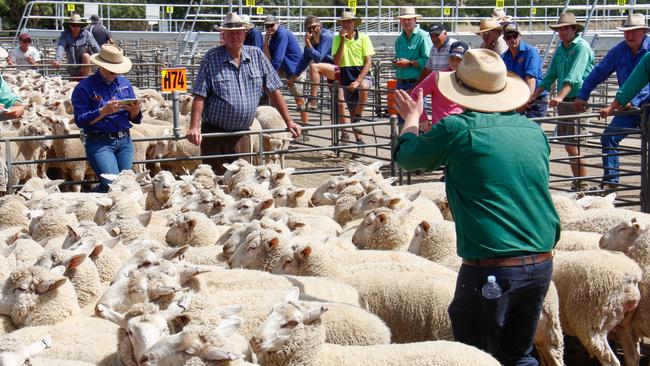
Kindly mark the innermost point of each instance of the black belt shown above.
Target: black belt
(112, 135)
(569, 99)
(411, 81)
(520, 260)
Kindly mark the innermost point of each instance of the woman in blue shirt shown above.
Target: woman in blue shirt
(105, 108)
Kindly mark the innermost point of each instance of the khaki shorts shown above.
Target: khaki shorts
(296, 89)
(566, 129)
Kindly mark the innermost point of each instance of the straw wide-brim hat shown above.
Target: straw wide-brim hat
(75, 19)
(3, 53)
(233, 22)
(488, 24)
(567, 19)
(346, 15)
(408, 12)
(482, 83)
(500, 15)
(112, 59)
(634, 21)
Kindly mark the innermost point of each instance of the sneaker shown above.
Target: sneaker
(309, 106)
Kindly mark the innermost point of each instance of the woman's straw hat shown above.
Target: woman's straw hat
(346, 15)
(482, 83)
(567, 19)
(112, 59)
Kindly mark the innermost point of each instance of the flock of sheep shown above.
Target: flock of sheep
(247, 268)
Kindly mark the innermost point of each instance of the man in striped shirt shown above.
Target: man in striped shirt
(227, 89)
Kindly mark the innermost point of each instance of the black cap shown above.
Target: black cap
(437, 28)
(458, 49)
(511, 27)
(270, 19)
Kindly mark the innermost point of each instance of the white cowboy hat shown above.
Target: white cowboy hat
(500, 15)
(346, 15)
(489, 24)
(407, 12)
(482, 83)
(233, 22)
(634, 21)
(3, 53)
(75, 19)
(567, 19)
(112, 59)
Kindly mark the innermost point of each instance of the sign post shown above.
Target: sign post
(174, 80)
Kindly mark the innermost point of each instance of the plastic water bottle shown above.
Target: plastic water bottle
(491, 290)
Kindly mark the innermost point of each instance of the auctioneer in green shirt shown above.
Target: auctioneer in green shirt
(496, 173)
(416, 47)
(638, 79)
(570, 65)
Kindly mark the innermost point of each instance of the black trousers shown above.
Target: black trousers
(504, 327)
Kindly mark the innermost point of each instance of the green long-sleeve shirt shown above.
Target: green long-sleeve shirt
(570, 65)
(417, 47)
(496, 173)
(7, 97)
(638, 79)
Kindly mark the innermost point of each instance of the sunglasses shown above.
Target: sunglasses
(26, 41)
(233, 25)
(510, 36)
(269, 25)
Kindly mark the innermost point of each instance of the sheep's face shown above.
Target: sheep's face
(163, 280)
(245, 254)
(182, 229)
(620, 237)
(163, 185)
(370, 224)
(286, 265)
(26, 287)
(243, 211)
(235, 235)
(328, 186)
(280, 196)
(262, 174)
(202, 202)
(418, 237)
(145, 330)
(370, 201)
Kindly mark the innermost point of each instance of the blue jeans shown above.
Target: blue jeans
(538, 108)
(610, 145)
(108, 156)
(406, 86)
(504, 327)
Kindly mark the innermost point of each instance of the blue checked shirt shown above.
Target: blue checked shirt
(91, 94)
(621, 60)
(232, 94)
(527, 63)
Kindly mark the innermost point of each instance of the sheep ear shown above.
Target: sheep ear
(145, 218)
(586, 201)
(273, 242)
(72, 208)
(267, 203)
(231, 167)
(245, 192)
(382, 217)
(178, 322)
(116, 231)
(413, 196)
(148, 188)
(49, 285)
(103, 201)
(53, 183)
(170, 254)
(305, 252)
(299, 193)
(76, 260)
(331, 196)
(375, 166)
(265, 184)
(110, 177)
(58, 270)
(191, 223)
(392, 202)
(111, 315)
(229, 326)
(289, 171)
(404, 212)
(111, 243)
(313, 314)
(230, 311)
(611, 197)
(186, 178)
(32, 214)
(97, 250)
(213, 353)
(280, 175)
(292, 295)
(425, 226)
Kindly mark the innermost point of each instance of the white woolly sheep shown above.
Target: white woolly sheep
(600, 220)
(117, 205)
(161, 190)
(14, 353)
(194, 229)
(243, 210)
(384, 229)
(270, 118)
(577, 240)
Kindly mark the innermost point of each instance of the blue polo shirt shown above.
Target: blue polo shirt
(91, 94)
(285, 51)
(321, 52)
(527, 63)
(254, 38)
(621, 60)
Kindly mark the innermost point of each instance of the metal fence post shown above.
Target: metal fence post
(177, 115)
(334, 108)
(260, 141)
(10, 187)
(393, 144)
(645, 159)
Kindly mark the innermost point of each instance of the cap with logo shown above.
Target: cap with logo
(458, 49)
(437, 28)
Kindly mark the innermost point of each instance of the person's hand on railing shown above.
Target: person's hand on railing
(579, 105)
(354, 85)
(294, 128)
(554, 102)
(194, 136)
(292, 80)
(56, 64)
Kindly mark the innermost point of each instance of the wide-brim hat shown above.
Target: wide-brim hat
(567, 19)
(233, 22)
(112, 59)
(3, 53)
(408, 12)
(634, 21)
(75, 19)
(346, 15)
(488, 24)
(500, 15)
(482, 83)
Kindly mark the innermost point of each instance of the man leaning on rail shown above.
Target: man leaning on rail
(76, 44)
(227, 90)
(621, 59)
(497, 167)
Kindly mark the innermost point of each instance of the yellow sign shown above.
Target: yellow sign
(534, 11)
(352, 4)
(259, 10)
(500, 3)
(621, 2)
(70, 7)
(250, 2)
(446, 11)
(169, 9)
(174, 80)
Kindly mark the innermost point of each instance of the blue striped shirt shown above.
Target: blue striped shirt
(232, 94)
(92, 93)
